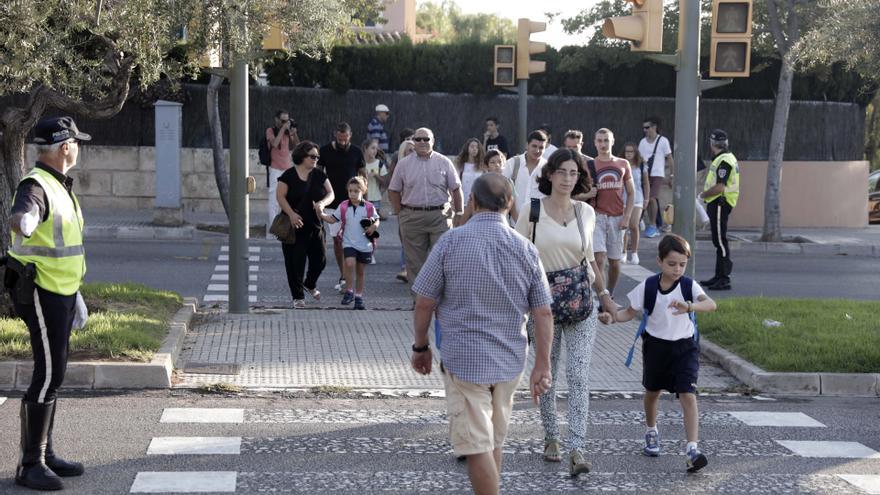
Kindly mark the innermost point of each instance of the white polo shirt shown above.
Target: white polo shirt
(526, 184)
(662, 323)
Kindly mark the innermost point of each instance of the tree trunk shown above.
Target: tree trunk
(220, 174)
(772, 212)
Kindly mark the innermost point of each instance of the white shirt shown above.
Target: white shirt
(525, 184)
(662, 323)
(646, 149)
(549, 151)
(469, 175)
(559, 246)
(353, 235)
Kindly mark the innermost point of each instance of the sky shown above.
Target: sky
(534, 10)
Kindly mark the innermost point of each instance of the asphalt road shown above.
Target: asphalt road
(186, 267)
(323, 445)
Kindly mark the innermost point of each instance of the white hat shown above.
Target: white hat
(382, 108)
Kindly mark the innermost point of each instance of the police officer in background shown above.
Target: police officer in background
(720, 192)
(45, 267)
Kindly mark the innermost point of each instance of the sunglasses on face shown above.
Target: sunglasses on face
(314, 157)
(421, 139)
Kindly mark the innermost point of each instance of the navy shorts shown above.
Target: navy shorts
(360, 256)
(672, 365)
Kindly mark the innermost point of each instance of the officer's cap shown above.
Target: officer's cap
(51, 130)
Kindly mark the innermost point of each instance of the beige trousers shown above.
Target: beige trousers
(419, 231)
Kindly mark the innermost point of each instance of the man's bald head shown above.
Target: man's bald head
(492, 192)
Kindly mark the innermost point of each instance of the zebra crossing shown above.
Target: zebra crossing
(218, 288)
(416, 456)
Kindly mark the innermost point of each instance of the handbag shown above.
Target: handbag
(281, 226)
(572, 295)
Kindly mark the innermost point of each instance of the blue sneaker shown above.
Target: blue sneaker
(359, 303)
(652, 444)
(651, 232)
(695, 460)
(347, 298)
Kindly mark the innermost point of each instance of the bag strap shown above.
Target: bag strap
(652, 285)
(687, 292)
(577, 219)
(656, 142)
(534, 216)
(516, 165)
(343, 210)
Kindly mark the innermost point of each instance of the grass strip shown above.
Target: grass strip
(817, 335)
(127, 322)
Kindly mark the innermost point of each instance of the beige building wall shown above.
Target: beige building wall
(400, 16)
(812, 194)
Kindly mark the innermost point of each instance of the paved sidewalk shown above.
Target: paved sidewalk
(363, 349)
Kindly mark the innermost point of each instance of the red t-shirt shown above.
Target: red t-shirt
(612, 176)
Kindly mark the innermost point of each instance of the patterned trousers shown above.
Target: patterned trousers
(579, 339)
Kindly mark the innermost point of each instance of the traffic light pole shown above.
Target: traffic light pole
(687, 112)
(523, 90)
(238, 205)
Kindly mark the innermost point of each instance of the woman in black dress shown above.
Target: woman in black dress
(301, 190)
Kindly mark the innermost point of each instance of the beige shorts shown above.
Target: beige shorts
(608, 237)
(478, 414)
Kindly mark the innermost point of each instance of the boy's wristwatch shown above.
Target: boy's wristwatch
(424, 348)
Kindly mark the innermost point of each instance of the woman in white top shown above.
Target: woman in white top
(562, 246)
(377, 173)
(469, 164)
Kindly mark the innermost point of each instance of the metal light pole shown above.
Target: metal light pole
(238, 173)
(523, 101)
(687, 112)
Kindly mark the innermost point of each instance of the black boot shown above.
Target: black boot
(32, 471)
(711, 281)
(58, 465)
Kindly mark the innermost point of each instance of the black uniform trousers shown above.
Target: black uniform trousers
(718, 211)
(309, 246)
(49, 320)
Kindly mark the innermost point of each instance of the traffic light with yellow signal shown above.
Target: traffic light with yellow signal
(731, 44)
(274, 39)
(643, 29)
(526, 48)
(504, 72)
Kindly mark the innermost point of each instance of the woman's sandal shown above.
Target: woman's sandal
(551, 451)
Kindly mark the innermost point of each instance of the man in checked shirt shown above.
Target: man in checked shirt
(482, 301)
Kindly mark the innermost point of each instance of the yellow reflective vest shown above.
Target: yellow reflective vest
(731, 188)
(56, 246)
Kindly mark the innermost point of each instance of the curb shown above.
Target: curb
(110, 375)
(138, 232)
(813, 384)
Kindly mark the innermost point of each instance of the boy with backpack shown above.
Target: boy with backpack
(670, 347)
(358, 233)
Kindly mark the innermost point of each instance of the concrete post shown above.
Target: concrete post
(168, 210)
(687, 111)
(238, 200)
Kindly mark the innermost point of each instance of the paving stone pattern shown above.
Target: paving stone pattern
(365, 349)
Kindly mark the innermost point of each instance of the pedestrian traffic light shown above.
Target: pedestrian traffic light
(731, 44)
(525, 48)
(505, 65)
(643, 29)
(274, 39)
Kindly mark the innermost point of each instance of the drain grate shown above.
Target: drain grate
(212, 368)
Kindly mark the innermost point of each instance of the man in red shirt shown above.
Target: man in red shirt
(613, 178)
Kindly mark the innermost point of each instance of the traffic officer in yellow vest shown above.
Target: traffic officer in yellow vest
(45, 266)
(720, 193)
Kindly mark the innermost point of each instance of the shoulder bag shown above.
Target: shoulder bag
(572, 295)
(281, 227)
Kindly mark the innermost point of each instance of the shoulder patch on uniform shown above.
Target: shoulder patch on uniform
(722, 173)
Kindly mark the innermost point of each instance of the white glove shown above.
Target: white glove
(29, 221)
(81, 313)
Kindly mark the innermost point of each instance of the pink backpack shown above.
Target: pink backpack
(343, 210)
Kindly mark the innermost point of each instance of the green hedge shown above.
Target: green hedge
(466, 67)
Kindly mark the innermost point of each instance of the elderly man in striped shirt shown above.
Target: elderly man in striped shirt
(482, 300)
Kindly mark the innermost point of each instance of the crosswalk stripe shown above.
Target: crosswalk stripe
(225, 287)
(224, 277)
(829, 449)
(225, 257)
(194, 445)
(224, 298)
(201, 415)
(184, 482)
(225, 268)
(635, 272)
(543, 482)
(252, 249)
(869, 483)
(767, 418)
(2, 400)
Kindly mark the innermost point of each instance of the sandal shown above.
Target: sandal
(578, 464)
(551, 451)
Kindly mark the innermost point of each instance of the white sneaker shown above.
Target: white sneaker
(340, 287)
(634, 259)
(623, 260)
